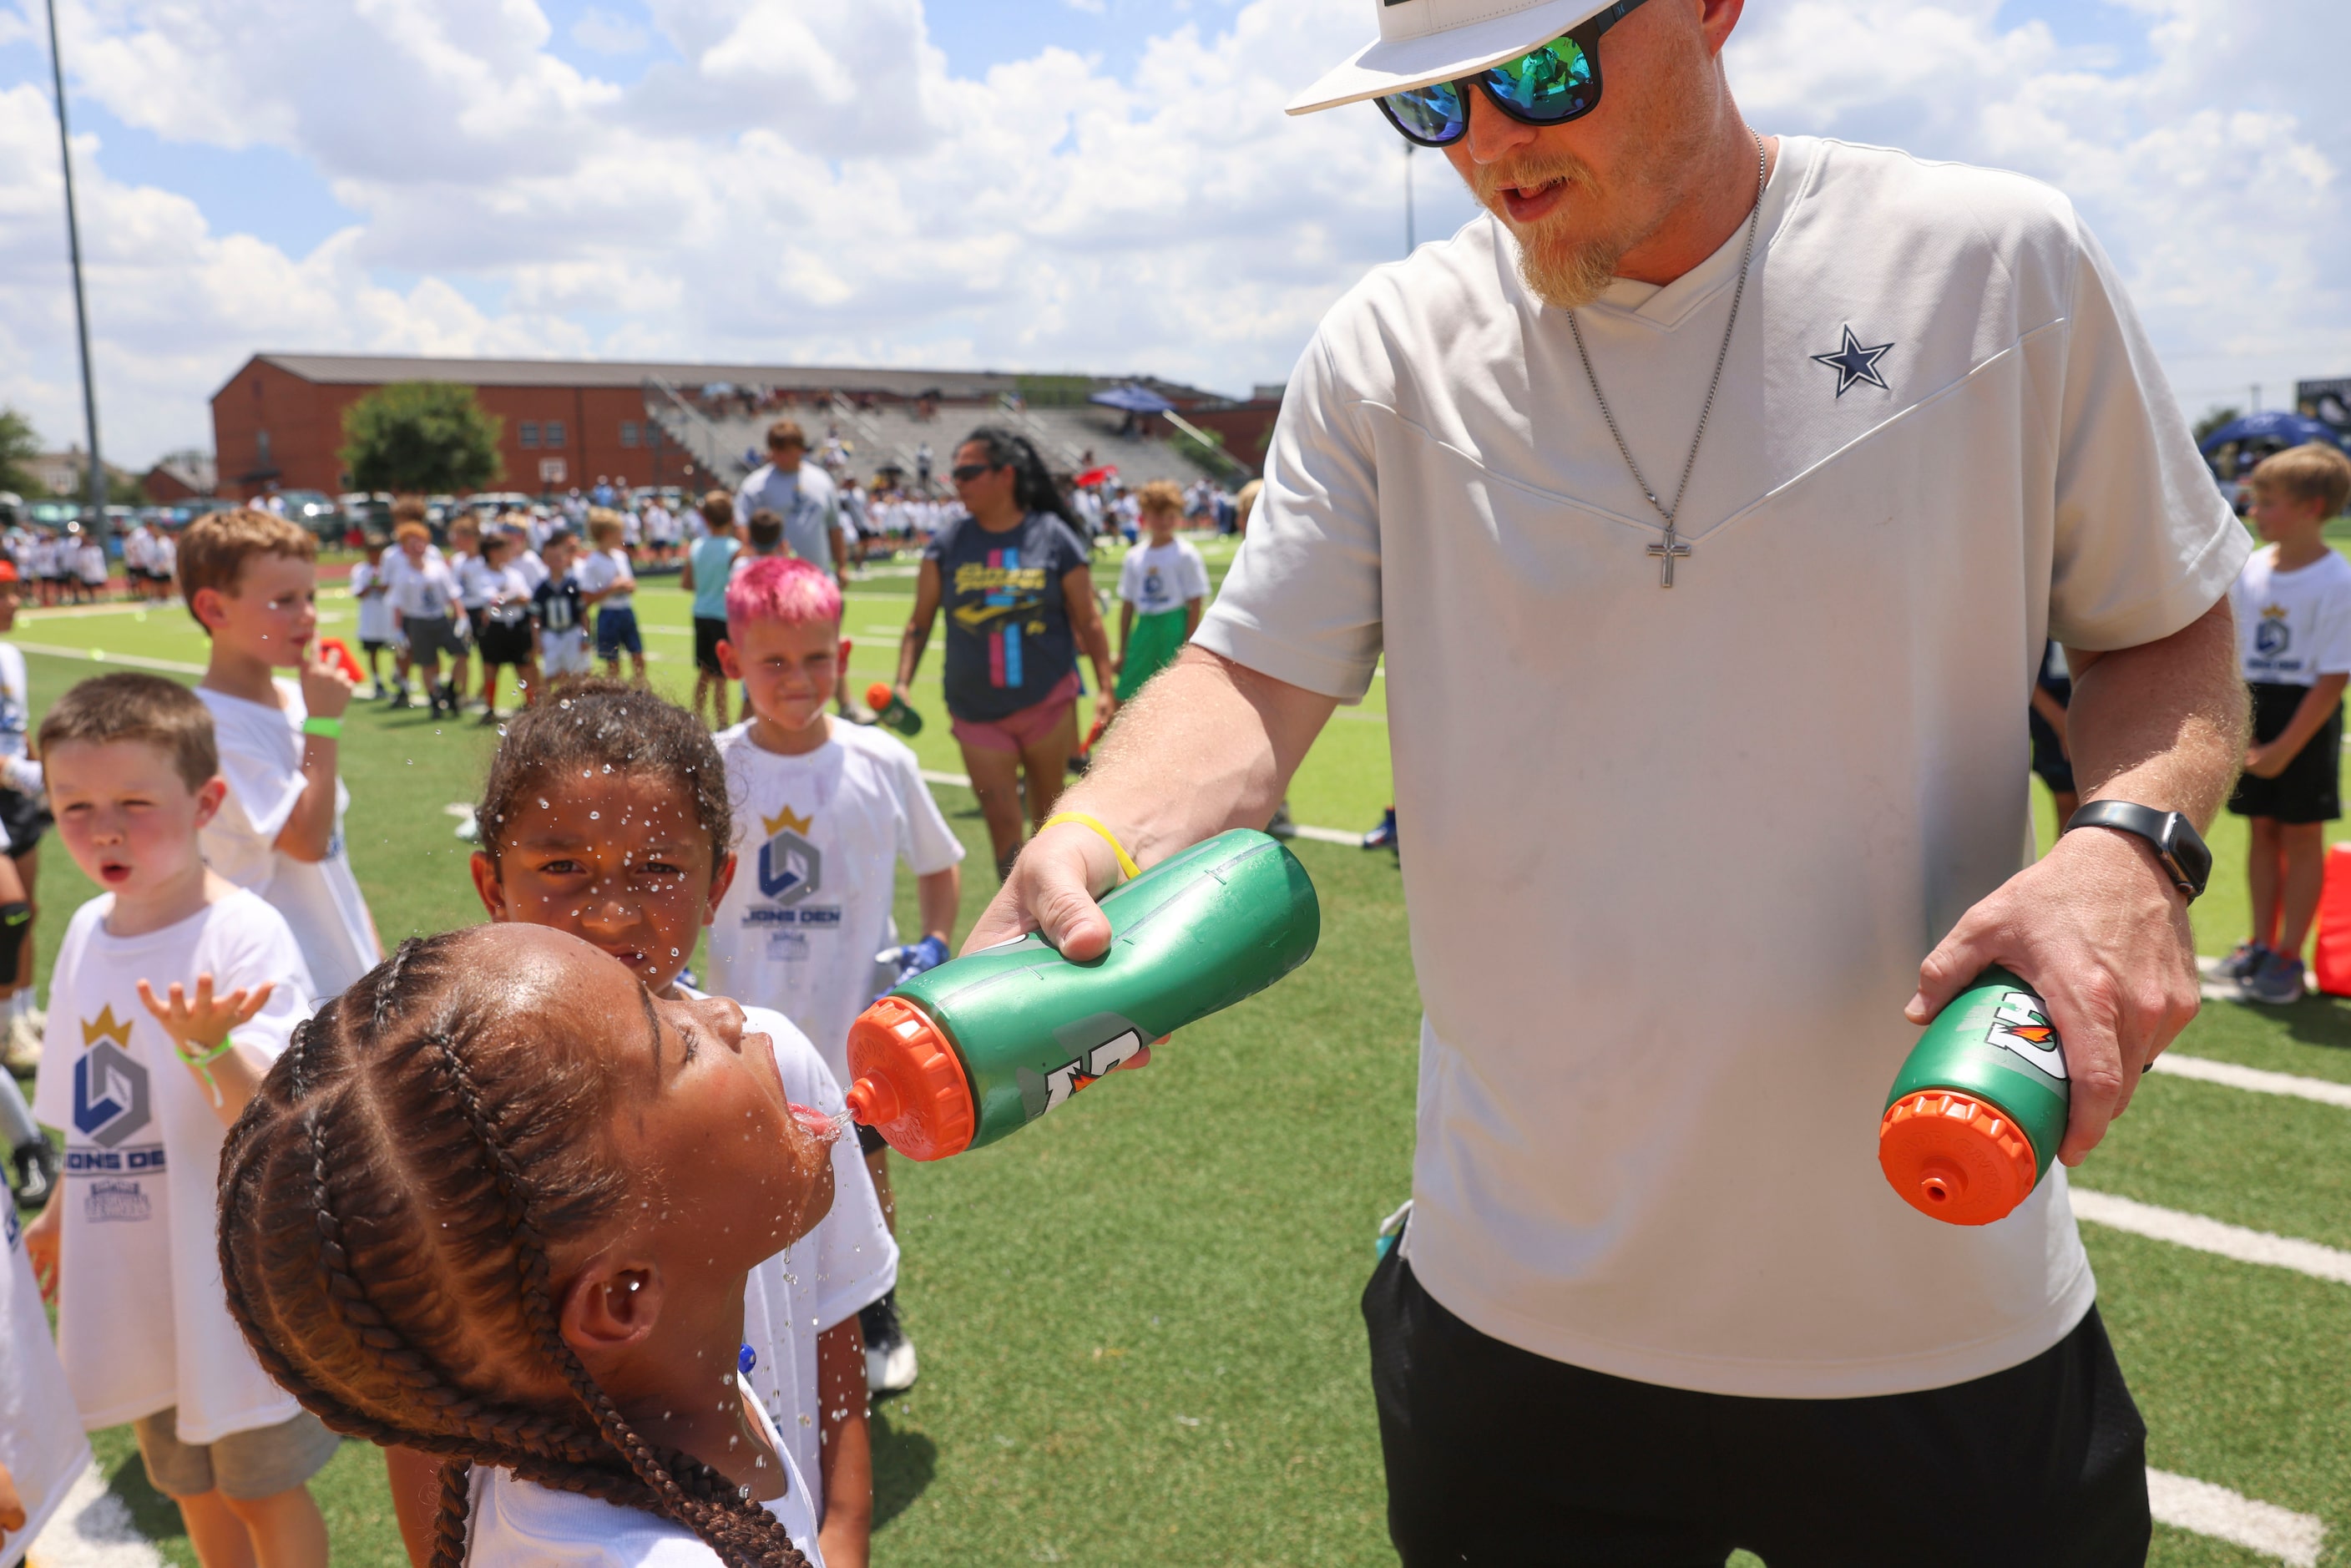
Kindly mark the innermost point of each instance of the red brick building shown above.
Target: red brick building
(278, 422)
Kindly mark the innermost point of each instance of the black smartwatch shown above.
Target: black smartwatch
(2176, 842)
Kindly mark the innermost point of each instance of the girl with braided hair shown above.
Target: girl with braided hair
(609, 815)
(481, 1209)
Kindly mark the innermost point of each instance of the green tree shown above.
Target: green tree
(18, 446)
(2214, 418)
(431, 437)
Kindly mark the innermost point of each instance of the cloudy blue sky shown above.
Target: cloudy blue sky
(1036, 184)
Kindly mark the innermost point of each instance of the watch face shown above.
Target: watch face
(2179, 838)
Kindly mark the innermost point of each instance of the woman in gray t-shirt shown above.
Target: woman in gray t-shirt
(1020, 604)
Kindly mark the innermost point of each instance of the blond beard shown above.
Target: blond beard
(1562, 268)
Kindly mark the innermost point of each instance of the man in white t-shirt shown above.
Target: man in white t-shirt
(1655, 1299)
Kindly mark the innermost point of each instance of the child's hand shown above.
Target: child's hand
(197, 1026)
(2264, 762)
(12, 1507)
(326, 689)
(41, 1246)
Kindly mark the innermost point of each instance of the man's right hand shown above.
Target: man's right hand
(326, 689)
(1052, 890)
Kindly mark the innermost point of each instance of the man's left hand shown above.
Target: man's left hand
(2097, 928)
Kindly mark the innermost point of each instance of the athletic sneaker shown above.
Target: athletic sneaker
(1282, 827)
(37, 1174)
(23, 1051)
(2278, 982)
(1383, 837)
(889, 1353)
(2239, 965)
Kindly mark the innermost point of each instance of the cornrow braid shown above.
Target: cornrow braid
(391, 1287)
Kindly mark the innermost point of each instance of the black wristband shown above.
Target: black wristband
(2177, 844)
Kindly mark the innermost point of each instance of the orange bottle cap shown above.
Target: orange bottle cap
(909, 1085)
(1956, 1159)
(877, 696)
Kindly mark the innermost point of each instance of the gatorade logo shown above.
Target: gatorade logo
(2020, 1025)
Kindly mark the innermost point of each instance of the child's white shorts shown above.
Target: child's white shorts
(564, 654)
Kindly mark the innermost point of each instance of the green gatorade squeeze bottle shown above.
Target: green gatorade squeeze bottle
(891, 710)
(1978, 1109)
(978, 1048)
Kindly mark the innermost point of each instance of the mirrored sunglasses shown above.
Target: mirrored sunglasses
(1548, 85)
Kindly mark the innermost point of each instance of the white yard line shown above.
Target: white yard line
(2185, 1504)
(99, 655)
(2216, 1236)
(2253, 1079)
(92, 1528)
(1331, 836)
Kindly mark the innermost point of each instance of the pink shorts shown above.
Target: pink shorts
(1017, 732)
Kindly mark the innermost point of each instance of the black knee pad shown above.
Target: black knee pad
(14, 918)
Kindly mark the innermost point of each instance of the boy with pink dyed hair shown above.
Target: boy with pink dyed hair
(825, 811)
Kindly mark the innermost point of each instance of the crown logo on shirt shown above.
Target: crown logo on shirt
(104, 1027)
(2274, 612)
(796, 823)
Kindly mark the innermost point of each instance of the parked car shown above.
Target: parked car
(316, 511)
(11, 508)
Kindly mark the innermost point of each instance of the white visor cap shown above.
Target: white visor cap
(1424, 41)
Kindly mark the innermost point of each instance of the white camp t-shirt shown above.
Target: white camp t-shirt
(420, 591)
(41, 1442)
(599, 569)
(1156, 578)
(261, 757)
(143, 1318)
(846, 1264)
(521, 1524)
(1663, 958)
(375, 609)
(2293, 626)
(820, 838)
(16, 702)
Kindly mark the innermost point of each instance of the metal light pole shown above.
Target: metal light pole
(1411, 233)
(97, 475)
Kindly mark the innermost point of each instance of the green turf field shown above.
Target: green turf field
(1138, 1321)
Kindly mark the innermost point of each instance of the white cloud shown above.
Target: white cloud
(812, 180)
(602, 32)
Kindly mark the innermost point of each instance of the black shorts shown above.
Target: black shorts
(870, 1142)
(2048, 757)
(1502, 1459)
(505, 642)
(26, 818)
(2310, 787)
(707, 635)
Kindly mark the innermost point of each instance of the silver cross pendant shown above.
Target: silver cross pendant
(1668, 551)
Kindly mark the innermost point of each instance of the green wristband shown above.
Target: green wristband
(324, 728)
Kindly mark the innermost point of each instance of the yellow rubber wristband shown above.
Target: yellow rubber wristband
(1125, 862)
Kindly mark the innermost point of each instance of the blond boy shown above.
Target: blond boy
(250, 579)
(2292, 604)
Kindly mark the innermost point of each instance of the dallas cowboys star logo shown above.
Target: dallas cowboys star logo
(1855, 363)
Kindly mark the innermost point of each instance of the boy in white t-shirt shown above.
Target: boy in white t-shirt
(608, 583)
(836, 807)
(42, 1449)
(1163, 589)
(2293, 603)
(372, 589)
(173, 992)
(251, 581)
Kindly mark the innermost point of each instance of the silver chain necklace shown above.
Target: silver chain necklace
(1671, 548)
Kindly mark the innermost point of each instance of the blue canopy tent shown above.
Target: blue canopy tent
(2277, 427)
(1133, 399)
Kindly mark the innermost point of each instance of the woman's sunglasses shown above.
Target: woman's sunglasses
(1548, 86)
(964, 473)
